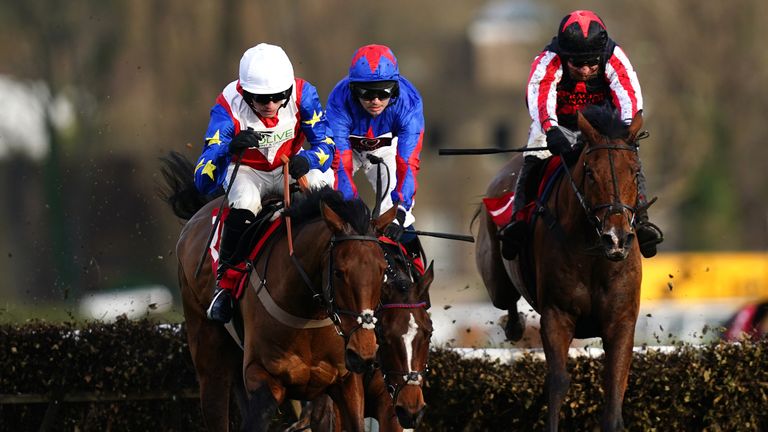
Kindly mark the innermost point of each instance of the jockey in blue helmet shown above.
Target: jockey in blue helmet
(376, 111)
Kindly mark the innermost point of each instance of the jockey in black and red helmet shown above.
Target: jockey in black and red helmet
(581, 66)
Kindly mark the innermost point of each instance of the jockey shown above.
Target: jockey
(581, 66)
(264, 115)
(376, 111)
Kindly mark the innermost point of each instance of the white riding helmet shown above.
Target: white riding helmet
(266, 69)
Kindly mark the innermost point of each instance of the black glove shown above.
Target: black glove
(557, 143)
(298, 166)
(243, 140)
(395, 229)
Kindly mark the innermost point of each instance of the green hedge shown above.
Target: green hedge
(720, 387)
(717, 387)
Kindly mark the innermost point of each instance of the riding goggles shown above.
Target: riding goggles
(264, 99)
(584, 61)
(381, 93)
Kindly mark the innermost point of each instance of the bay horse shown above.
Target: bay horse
(338, 260)
(404, 331)
(581, 268)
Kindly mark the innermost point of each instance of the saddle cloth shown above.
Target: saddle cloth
(500, 208)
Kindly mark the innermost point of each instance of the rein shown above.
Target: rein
(365, 319)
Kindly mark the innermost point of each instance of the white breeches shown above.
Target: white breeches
(250, 185)
(388, 173)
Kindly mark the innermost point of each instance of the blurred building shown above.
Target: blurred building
(500, 37)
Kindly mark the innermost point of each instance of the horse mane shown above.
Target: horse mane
(355, 212)
(179, 190)
(606, 120)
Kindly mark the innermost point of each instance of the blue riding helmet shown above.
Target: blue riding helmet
(374, 63)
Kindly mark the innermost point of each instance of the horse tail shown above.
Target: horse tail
(179, 190)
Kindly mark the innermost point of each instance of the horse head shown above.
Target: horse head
(610, 168)
(405, 329)
(353, 288)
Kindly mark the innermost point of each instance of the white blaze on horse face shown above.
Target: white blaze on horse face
(408, 338)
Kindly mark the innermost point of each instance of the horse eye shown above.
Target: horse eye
(338, 273)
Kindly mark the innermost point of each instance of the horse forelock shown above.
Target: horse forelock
(354, 212)
(607, 121)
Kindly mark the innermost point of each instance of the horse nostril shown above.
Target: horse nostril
(609, 240)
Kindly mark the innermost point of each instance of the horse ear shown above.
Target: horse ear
(385, 219)
(334, 221)
(425, 281)
(586, 129)
(634, 127)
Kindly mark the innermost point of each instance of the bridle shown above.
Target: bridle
(365, 319)
(615, 207)
(409, 377)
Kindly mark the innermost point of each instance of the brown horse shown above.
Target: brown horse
(404, 333)
(404, 330)
(291, 344)
(581, 270)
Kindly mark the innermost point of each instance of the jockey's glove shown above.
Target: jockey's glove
(557, 143)
(298, 166)
(243, 140)
(395, 229)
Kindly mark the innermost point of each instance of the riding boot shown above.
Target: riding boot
(648, 234)
(229, 258)
(513, 235)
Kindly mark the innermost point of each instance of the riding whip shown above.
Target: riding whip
(303, 184)
(287, 202)
(379, 195)
(448, 236)
(483, 151)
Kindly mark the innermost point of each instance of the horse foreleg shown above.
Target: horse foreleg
(262, 402)
(379, 404)
(349, 398)
(617, 343)
(556, 335)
